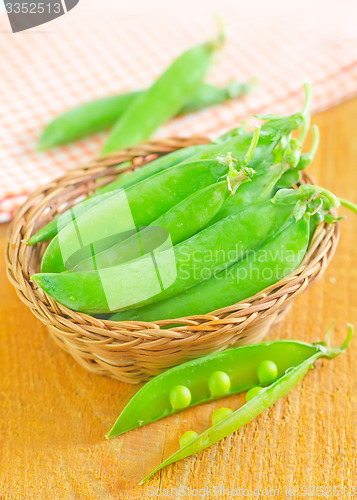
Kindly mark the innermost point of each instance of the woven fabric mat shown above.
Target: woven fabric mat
(94, 51)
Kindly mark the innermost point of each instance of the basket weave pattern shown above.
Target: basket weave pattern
(133, 352)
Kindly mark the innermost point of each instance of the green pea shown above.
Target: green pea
(187, 438)
(267, 372)
(252, 393)
(180, 397)
(220, 414)
(219, 383)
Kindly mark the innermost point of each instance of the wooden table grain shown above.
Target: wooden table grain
(54, 415)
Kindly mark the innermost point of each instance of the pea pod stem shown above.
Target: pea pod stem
(304, 129)
(307, 158)
(292, 176)
(236, 178)
(348, 204)
(263, 400)
(253, 145)
(307, 103)
(293, 122)
(305, 193)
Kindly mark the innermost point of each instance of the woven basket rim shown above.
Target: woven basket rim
(48, 200)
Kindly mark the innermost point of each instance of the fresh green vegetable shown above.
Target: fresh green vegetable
(219, 415)
(178, 224)
(267, 372)
(61, 221)
(302, 358)
(240, 364)
(180, 397)
(254, 391)
(210, 95)
(219, 383)
(126, 180)
(164, 99)
(101, 114)
(187, 438)
(234, 142)
(264, 181)
(292, 176)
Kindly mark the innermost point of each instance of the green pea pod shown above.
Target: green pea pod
(258, 270)
(182, 221)
(101, 114)
(210, 95)
(152, 401)
(137, 206)
(125, 180)
(164, 99)
(261, 158)
(288, 179)
(302, 357)
(186, 264)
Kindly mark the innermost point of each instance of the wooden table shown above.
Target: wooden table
(54, 414)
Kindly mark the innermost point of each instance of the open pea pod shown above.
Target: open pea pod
(152, 401)
(293, 359)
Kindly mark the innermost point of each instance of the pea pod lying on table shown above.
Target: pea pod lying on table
(227, 241)
(101, 114)
(293, 360)
(208, 378)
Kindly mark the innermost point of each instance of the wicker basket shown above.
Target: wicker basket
(135, 351)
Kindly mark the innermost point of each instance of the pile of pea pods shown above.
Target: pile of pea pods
(193, 231)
